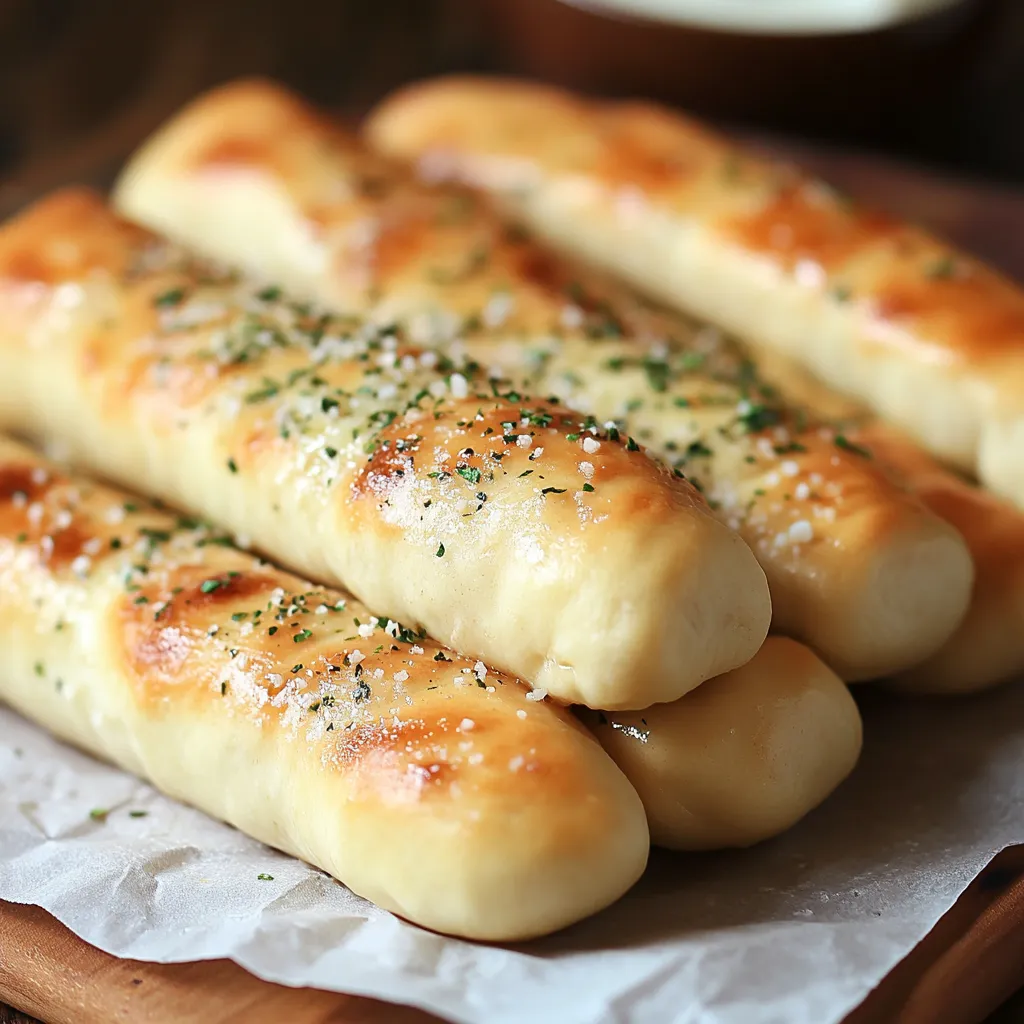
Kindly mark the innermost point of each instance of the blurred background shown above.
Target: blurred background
(936, 82)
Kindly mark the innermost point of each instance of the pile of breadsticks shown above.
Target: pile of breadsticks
(536, 487)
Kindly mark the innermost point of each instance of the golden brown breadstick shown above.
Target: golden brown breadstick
(346, 450)
(927, 336)
(988, 648)
(299, 716)
(858, 570)
(741, 758)
(425, 782)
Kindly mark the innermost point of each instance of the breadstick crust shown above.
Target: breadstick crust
(930, 338)
(743, 758)
(857, 569)
(353, 454)
(423, 781)
(988, 647)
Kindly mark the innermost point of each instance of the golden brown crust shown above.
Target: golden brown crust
(403, 253)
(89, 241)
(875, 306)
(292, 712)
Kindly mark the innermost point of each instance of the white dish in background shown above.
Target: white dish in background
(791, 17)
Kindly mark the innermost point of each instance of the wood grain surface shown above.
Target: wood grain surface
(46, 971)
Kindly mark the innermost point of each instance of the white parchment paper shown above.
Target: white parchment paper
(796, 930)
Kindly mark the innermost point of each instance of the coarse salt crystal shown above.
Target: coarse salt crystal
(516, 763)
(498, 308)
(437, 388)
(415, 649)
(536, 694)
(801, 532)
(572, 317)
(467, 724)
(68, 295)
(366, 629)
(524, 440)
(80, 566)
(459, 385)
(400, 677)
(591, 445)
(587, 469)
(802, 492)
(809, 274)
(790, 467)
(356, 657)
(480, 670)
(520, 713)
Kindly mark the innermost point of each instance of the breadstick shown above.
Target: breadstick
(988, 647)
(423, 781)
(928, 337)
(351, 454)
(744, 756)
(322, 729)
(250, 175)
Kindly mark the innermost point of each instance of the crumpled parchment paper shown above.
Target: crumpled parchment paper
(796, 930)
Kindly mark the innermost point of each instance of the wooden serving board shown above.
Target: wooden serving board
(968, 965)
